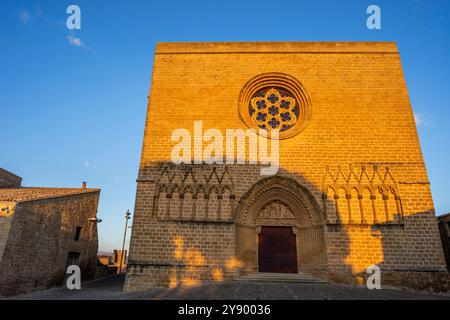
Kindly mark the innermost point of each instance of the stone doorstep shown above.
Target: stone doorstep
(280, 277)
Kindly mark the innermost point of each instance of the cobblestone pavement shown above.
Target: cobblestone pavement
(111, 289)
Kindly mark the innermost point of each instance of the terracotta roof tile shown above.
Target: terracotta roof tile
(28, 194)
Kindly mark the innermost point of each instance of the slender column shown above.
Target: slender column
(206, 206)
(349, 206)
(169, 198)
(219, 207)
(194, 206)
(324, 203)
(374, 210)
(399, 208)
(361, 209)
(336, 205)
(386, 208)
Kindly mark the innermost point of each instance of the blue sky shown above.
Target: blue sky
(73, 104)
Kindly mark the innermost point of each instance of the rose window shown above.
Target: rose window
(274, 108)
(275, 102)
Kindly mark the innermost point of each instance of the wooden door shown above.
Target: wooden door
(277, 250)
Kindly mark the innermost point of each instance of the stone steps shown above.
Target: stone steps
(281, 277)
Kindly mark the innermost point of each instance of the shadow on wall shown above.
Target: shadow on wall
(201, 222)
(192, 259)
(374, 221)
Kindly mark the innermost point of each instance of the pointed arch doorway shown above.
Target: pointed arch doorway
(279, 227)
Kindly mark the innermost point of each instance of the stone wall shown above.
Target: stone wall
(6, 214)
(8, 179)
(358, 157)
(181, 253)
(444, 229)
(41, 235)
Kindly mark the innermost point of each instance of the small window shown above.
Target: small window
(73, 259)
(78, 234)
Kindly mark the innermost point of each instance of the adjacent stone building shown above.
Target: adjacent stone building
(351, 191)
(444, 229)
(43, 230)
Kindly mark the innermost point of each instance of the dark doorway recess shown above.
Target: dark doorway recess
(277, 250)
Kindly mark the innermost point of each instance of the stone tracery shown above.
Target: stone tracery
(183, 192)
(274, 109)
(275, 101)
(360, 196)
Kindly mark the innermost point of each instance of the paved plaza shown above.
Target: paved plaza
(111, 289)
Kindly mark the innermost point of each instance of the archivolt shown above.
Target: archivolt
(297, 197)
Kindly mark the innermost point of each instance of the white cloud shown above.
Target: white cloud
(24, 16)
(89, 164)
(74, 41)
(418, 118)
(424, 120)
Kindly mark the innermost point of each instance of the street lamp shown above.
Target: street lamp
(127, 217)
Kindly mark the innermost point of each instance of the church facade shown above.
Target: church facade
(349, 191)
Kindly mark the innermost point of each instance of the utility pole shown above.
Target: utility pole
(127, 217)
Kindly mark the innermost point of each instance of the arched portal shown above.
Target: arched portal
(278, 220)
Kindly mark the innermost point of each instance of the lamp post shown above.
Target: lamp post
(127, 217)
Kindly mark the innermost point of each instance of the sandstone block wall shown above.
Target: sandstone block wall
(359, 157)
(41, 234)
